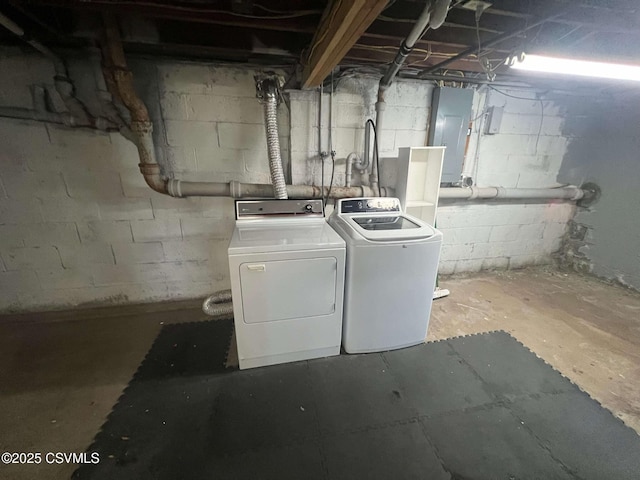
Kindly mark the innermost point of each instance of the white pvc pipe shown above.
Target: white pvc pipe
(472, 193)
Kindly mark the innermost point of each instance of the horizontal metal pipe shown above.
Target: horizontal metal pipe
(179, 188)
(473, 193)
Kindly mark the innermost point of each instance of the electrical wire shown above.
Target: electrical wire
(332, 152)
(375, 152)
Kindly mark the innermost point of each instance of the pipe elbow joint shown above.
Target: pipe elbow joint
(151, 174)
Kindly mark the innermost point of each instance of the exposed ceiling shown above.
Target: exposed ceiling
(281, 31)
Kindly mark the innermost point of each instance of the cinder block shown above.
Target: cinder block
(78, 139)
(350, 115)
(304, 112)
(156, 230)
(466, 235)
(522, 261)
(16, 281)
(124, 154)
(405, 118)
(498, 263)
(207, 228)
(195, 249)
(12, 236)
(503, 233)
(59, 279)
(191, 134)
(474, 265)
(61, 158)
(121, 274)
(87, 254)
(19, 211)
(69, 210)
(20, 140)
(49, 233)
(105, 231)
(210, 108)
(242, 136)
(165, 207)
(218, 207)
(409, 93)
(203, 79)
(303, 139)
(174, 106)
(21, 184)
(131, 253)
(23, 258)
(410, 138)
(446, 267)
(126, 209)
(190, 271)
(178, 159)
(456, 252)
(105, 185)
(496, 179)
(222, 160)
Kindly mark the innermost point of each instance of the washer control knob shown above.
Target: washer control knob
(308, 208)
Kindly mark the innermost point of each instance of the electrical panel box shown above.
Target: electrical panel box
(494, 119)
(449, 126)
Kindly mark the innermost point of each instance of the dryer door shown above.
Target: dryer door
(288, 289)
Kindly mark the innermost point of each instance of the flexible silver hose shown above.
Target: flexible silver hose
(273, 147)
(217, 309)
(212, 303)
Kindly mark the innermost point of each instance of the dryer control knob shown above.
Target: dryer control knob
(308, 207)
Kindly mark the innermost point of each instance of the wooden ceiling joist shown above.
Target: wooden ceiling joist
(342, 24)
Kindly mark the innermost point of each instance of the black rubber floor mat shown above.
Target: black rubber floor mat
(476, 407)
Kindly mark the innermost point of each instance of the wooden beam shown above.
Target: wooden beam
(342, 24)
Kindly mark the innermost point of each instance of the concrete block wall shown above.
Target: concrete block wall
(526, 152)
(79, 226)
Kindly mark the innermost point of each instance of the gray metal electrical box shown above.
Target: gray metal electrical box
(449, 125)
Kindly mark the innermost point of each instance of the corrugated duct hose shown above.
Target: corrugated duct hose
(218, 304)
(268, 92)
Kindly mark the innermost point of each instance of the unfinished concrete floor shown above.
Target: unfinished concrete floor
(61, 373)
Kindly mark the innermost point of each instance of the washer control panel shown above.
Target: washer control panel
(246, 209)
(369, 204)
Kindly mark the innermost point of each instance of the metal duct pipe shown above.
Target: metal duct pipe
(141, 126)
(267, 90)
(179, 188)
(212, 304)
(475, 193)
(218, 309)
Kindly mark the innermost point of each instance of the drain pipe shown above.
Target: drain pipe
(433, 17)
(478, 193)
(121, 78)
(268, 92)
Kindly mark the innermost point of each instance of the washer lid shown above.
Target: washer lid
(260, 238)
(389, 227)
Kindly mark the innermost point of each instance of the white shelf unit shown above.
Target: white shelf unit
(418, 185)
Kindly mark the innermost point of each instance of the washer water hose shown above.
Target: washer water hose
(268, 92)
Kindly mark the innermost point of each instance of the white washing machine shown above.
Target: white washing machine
(287, 270)
(392, 262)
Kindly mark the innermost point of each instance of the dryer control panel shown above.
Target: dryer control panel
(369, 204)
(253, 209)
